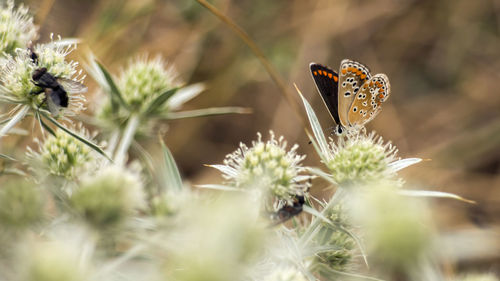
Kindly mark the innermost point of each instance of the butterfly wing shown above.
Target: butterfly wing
(367, 103)
(326, 81)
(352, 76)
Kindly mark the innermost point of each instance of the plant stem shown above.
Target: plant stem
(12, 122)
(113, 141)
(128, 136)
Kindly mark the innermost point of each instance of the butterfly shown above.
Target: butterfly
(353, 96)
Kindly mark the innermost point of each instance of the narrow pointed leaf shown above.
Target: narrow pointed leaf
(435, 194)
(172, 175)
(159, 101)
(185, 94)
(221, 187)
(7, 157)
(82, 139)
(207, 112)
(403, 163)
(225, 169)
(315, 125)
(115, 94)
(43, 125)
(321, 174)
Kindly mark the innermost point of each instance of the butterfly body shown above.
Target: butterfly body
(353, 96)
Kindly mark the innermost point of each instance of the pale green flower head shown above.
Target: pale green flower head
(52, 261)
(144, 80)
(140, 83)
(16, 83)
(216, 240)
(61, 154)
(21, 205)
(269, 166)
(397, 229)
(360, 158)
(288, 273)
(109, 197)
(16, 28)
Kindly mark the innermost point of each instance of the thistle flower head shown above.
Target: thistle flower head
(360, 158)
(269, 167)
(61, 154)
(21, 205)
(144, 80)
(16, 82)
(108, 197)
(52, 261)
(140, 83)
(397, 228)
(16, 28)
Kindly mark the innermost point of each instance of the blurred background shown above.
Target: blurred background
(442, 59)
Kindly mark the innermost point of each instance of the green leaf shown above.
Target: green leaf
(82, 139)
(7, 157)
(221, 187)
(115, 94)
(316, 127)
(435, 194)
(160, 101)
(172, 175)
(43, 125)
(207, 112)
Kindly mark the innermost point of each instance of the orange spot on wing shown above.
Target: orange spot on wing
(371, 84)
(315, 73)
(381, 90)
(358, 72)
(330, 75)
(335, 78)
(381, 96)
(344, 71)
(363, 76)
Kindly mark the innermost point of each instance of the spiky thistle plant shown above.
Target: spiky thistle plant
(268, 170)
(109, 197)
(18, 88)
(63, 155)
(146, 91)
(16, 28)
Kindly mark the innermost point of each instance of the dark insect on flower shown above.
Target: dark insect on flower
(287, 212)
(55, 88)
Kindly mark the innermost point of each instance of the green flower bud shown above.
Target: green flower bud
(108, 198)
(52, 261)
(267, 166)
(358, 159)
(396, 229)
(21, 205)
(140, 83)
(61, 154)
